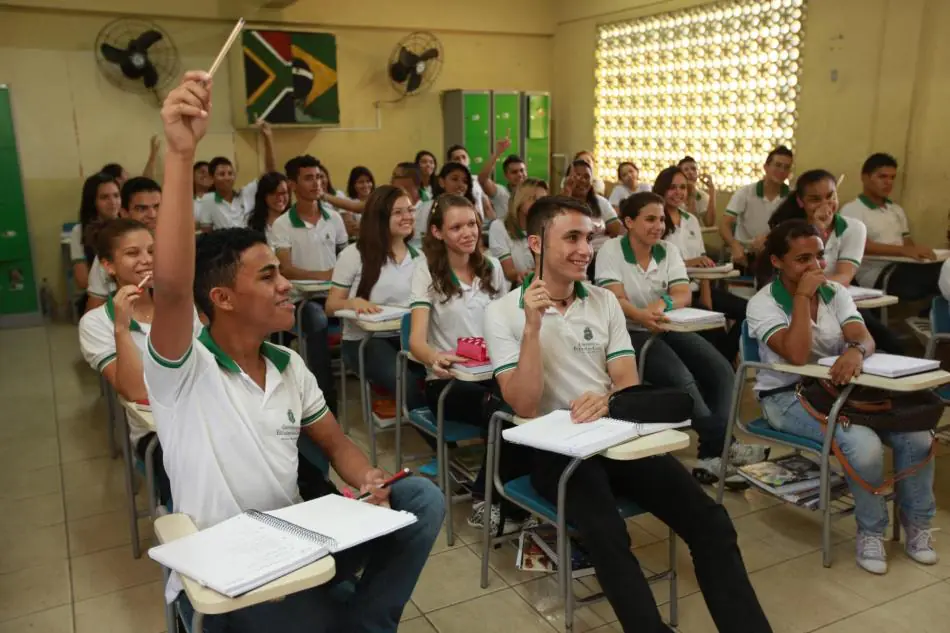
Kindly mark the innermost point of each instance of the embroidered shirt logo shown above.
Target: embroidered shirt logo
(290, 416)
(588, 335)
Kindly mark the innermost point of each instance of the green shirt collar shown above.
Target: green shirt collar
(295, 220)
(110, 312)
(870, 203)
(579, 289)
(657, 252)
(760, 189)
(276, 355)
(784, 298)
(413, 253)
(840, 224)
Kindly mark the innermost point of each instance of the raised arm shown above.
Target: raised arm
(709, 218)
(270, 161)
(185, 117)
(523, 383)
(154, 146)
(484, 176)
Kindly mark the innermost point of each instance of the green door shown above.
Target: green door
(476, 119)
(17, 281)
(538, 137)
(507, 110)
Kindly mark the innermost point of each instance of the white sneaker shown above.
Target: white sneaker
(919, 544)
(743, 454)
(477, 517)
(707, 470)
(870, 553)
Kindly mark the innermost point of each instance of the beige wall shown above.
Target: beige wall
(872, 80)
(70, 121)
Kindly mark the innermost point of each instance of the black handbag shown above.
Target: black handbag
(647, 404)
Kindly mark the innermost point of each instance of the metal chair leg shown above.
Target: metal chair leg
(674, 597)
(130, 488)
(825, 499)
(442, 464)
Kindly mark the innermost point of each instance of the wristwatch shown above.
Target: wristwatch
(859, 347)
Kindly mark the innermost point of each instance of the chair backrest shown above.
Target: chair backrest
(404, 330)
(313, 453)
(940, 316)
(748, 346)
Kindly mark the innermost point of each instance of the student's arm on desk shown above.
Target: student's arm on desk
(185, 117)
(291, 272)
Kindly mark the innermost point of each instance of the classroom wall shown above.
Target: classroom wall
(872, 80)
(70, 121)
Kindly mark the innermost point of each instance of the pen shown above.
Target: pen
(402, 474)
(541, 262)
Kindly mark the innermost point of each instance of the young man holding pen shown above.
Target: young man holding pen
(229, 406)
(561, 343)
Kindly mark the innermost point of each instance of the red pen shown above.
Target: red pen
(402, 474)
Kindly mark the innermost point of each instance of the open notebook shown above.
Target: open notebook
(389, 313)
(858, 293)
(555, 432)
(722, 268)
(695, 315)
(890, 365)
(255, 548)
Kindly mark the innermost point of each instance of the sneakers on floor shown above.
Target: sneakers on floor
(919, 544)
(743, 454)
(477, 518)
(870, 554)
(707, 470)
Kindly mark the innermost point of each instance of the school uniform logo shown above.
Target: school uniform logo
(290, 416)
(588, 335)
(586, 344)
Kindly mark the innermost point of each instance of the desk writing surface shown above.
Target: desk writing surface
(916, 382)
(876, 302)
(641, 447)
(144, 417)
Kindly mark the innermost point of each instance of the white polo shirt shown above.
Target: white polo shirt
(423, 211)
(702, 203)
(944, 281)
(845, 243)
(101, 284)
(393, 288)
(617, 263)
(460, 316)
(500, 201)
(770, 311)
(575, 347)
(688, 236)
(218, 213)
(752, 210)
(503, 246)
(313, 247)
(77, 252)
(885, 225)
(607, 215)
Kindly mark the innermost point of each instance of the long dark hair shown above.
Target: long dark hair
(435, 161)
(375, 240)
(326, 172)
(437, 257)
(355, 174)
(591, 197)
(88, 214)
(791, 208)
(448, 169)
(777, 243)
(661, 185)
(267, 185)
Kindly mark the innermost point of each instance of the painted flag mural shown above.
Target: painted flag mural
(290, 77)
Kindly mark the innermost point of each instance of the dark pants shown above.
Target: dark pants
(734, 307)
(912, 282)
(316, 327)
(662, 487)
(158, 466)
(885, 339)
(687, 361)
(380, 364)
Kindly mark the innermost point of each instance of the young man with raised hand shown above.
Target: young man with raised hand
(229, 406)
(561, 343)
(515, 173)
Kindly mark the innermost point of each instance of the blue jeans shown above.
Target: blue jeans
(687, 361)
(380, 357)
(391, 566)
(863, 449)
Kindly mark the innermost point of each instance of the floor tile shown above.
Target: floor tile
(452, 577)
(418, 625)
(26, 454)
(98, 471)
(923, 611)
(32, 512)
(140, 609)
(32, 547)
(79, 442)
(790, 529)
(22, 484)
(28, 417)
(56, 620)
(544, 597)
(410, 612)
(501, 611)
(111, 570)
(34, 589)
(104, 531)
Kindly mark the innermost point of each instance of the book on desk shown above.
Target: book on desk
(890, 365)
(386, 313)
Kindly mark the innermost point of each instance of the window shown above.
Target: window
(718, 82)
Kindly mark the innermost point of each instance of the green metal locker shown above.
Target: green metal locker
(537, 108)
(506, 107)
(467, 121)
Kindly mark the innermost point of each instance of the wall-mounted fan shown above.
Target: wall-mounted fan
(415, 63)
(136, 56)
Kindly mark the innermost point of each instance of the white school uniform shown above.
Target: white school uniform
(229, 445)
(944, 281)
(460, 316)
(77, 252)
(617, 263)
(688, 236)
(702, 202)
(621, 192)
(752, 210)
(97, 344)
(218, 213)
(500, 201)
(575, 347)
(770, 311)
(846, 243)
(503, 246)
(423, 211)
(607, 215)
(101, 284)
(313, 247)
(885, 225)
(393, 288)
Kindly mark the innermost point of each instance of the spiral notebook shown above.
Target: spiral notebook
(255, 548)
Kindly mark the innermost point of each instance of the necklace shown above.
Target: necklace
(563, 302)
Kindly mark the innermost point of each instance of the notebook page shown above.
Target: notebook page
(556, 432)
(857, 293)
(388, 313)
(890, 365)
(723, 268)
(694, 315)
(237, 555)
(347, 521)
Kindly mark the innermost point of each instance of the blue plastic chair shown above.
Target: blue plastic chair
(435, 425)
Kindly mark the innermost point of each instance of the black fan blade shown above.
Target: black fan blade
(432, 53)
(113, 54)
(130, 70)
(407, 58)
(398, 72)
(415, 80)
(143, 41)
(150, 75)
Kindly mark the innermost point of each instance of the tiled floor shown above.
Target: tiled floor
(66, 563)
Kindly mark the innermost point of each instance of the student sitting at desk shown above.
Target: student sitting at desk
(579, 185)
(377, 271)
(427, 164)
(889, 235)
(454, 179)
(815, 200)
(100, 202)
(359, 186)
(803, 316)
(515, 173)
(307, 239)
(408, 177)
(562, 344)
(698, 202)
(230, 407)
(458, 154)
(112, 337)
(648, 276)
(273, 196)
(450, 292)
(628, 175)
(507, 240)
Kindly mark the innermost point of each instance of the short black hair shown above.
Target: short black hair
(631, 207)
(216, 162)
(217, 257)
(113, 169)
(408, 170)
(198, 165)
(781, 150)
(136, 185)
(580, 162)
(684, 160)
(452, 149)
(624, 164)
(513, 159)
(294, 165)
(549, 207)
(876, 161)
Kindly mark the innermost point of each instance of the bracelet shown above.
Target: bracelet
(668, 300)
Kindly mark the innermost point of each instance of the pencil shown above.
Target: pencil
(227, 46)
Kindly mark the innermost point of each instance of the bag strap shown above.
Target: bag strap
(849, 470)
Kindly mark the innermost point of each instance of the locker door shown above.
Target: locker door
(538, 142)
(476, 107)
(507, 110)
